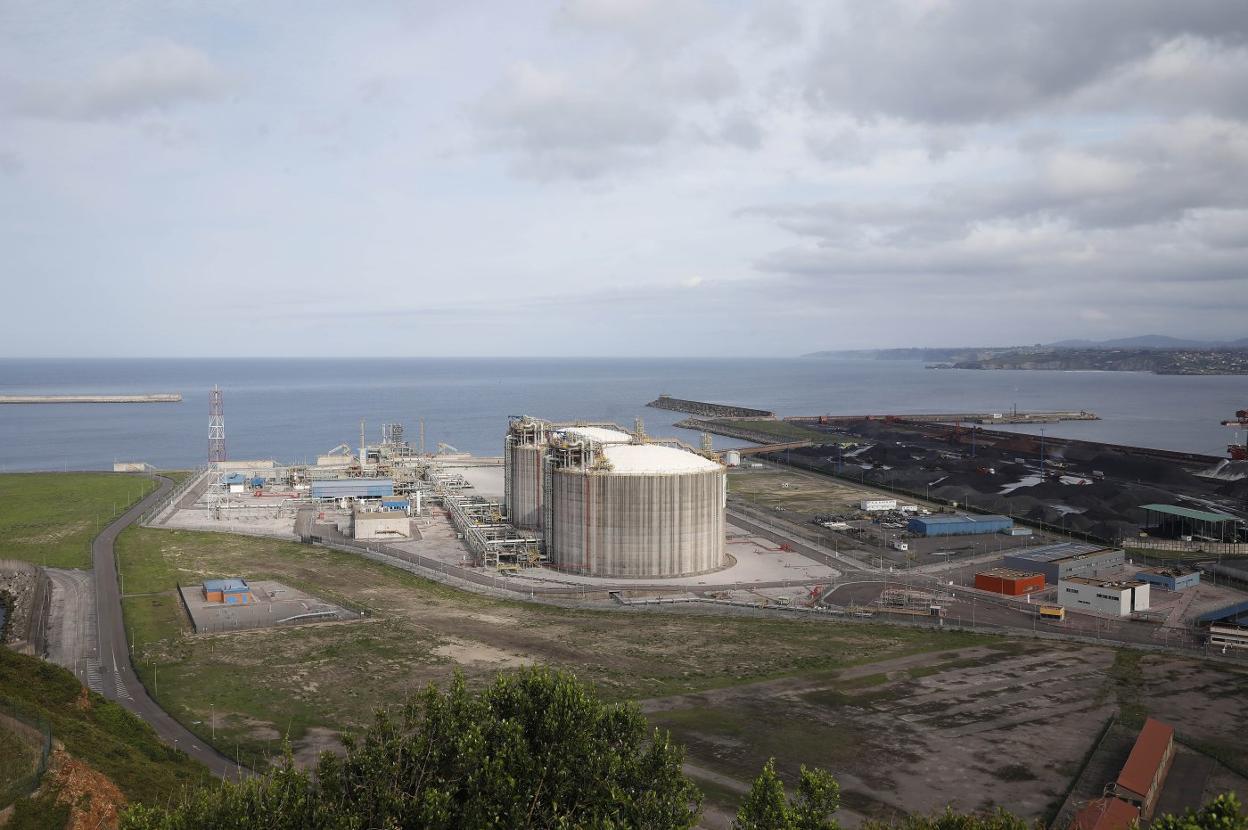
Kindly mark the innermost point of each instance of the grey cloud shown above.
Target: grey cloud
(741, 130)
(556, 125)
(155, 78)
(644, 24)
(989, 59)
(560, 127)
(10, 163)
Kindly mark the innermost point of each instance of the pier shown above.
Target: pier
(159, 397)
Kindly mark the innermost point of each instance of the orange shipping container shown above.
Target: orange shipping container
(1008, 582)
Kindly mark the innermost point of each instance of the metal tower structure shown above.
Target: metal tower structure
(216, 426)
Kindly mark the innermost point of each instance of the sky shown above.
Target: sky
(618, 177)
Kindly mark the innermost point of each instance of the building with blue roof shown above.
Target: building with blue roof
(230, 591)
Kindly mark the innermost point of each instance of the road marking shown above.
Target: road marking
(121, 688)
(95, 681)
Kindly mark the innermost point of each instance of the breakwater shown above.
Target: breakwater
(159, 397)
(708, 410)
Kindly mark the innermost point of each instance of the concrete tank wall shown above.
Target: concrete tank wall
(524, 484)
(652, 525)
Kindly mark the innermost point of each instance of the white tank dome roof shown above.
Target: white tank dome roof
(643, 459)
(600, 434)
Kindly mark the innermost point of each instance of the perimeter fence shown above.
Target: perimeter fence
(23, 767)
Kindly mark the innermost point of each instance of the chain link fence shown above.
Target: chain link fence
(34, 735)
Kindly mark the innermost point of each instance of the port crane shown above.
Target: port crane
(1238, 452)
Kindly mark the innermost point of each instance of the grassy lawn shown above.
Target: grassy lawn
(177, 476)
(50, 518)
(95, 730)
(264, 686)
(784, 431)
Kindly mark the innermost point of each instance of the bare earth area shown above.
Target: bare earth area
(1004, 724)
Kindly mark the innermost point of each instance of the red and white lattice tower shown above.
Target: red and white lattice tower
(216, 427)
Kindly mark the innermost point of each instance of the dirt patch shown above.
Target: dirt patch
(475, 654)
(94, 800)
(912, 734)
(316, 740)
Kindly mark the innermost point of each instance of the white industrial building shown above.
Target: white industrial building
(1119, 598)
(380, 524)
(877, 505)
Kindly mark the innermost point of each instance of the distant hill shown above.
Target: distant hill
(965, 353)
(1149, 341)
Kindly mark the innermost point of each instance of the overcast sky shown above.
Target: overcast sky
(618, 177)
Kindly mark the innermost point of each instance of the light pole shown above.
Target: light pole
(213, 709)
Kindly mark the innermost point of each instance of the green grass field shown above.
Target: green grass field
(95, 730)
(51, 518)
(262, 686)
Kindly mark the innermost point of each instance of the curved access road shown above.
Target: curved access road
(117, 677)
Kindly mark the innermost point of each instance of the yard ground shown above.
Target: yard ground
(50, 518)
(796, 491)
(1004, 724)
(314, 682)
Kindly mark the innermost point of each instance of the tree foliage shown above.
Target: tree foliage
(1223, 813)
(767, 807)
(535, 749)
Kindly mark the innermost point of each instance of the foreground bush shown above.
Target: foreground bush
(535, 749)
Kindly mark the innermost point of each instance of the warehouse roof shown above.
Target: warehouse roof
(1007, 573)
(943, 520)
(1147, 756)
(1103, 583)
(377, 515)
(640, 459)
(1188, 513)
(1052, 553)
(600, 434)
(1105, 814)
(229, 585)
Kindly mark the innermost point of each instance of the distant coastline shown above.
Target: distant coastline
(1159, 361)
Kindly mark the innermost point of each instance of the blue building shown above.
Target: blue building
(1172, 579)
(960, 525)
(353, 488)
(232, 591)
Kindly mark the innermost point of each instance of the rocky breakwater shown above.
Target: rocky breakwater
(26, 591)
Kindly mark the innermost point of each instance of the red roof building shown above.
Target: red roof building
(1144, 774)
(1105, 814)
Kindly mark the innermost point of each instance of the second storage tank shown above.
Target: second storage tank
(638, 510)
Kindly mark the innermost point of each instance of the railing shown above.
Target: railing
(176, 493)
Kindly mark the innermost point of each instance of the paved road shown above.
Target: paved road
(71, 621)
(116, 678)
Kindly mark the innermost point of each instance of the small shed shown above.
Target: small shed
(231, 591)
(235, 482)
(1147, 766)
(1009, 582)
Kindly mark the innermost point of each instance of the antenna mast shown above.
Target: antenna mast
(216, 427)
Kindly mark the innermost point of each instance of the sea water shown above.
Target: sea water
(293, 409)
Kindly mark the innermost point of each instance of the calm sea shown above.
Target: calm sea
(294, 409)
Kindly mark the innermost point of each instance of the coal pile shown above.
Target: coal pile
(1097, 494)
